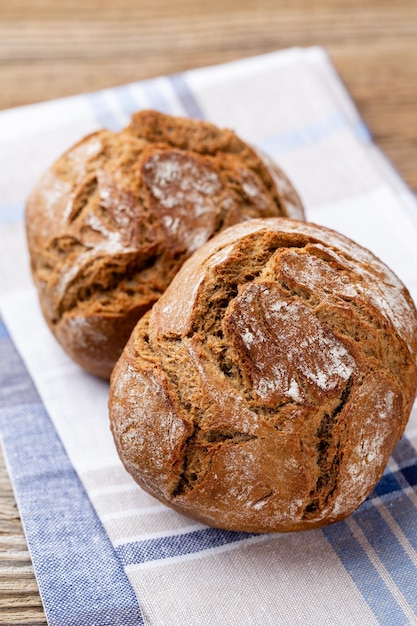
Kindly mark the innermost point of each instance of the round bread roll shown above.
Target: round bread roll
(268, 386)
(114, 218)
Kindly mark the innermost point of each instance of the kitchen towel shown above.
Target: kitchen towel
(105, 553)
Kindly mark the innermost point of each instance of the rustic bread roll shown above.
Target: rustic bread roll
(114, 218)
(268, 386)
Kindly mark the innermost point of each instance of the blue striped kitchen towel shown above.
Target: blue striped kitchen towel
(105, 553)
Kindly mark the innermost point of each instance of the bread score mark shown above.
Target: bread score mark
(288, 373)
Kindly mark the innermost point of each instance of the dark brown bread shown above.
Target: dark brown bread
(114, 218)
(268, 386)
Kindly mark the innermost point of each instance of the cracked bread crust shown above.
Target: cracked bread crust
(112, 221)
(270, 383)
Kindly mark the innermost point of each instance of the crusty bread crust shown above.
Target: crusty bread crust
(269, 384)
(112, 221)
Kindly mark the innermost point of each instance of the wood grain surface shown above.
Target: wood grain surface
(50, 49)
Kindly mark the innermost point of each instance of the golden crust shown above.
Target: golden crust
(269, 384)
(112, 221)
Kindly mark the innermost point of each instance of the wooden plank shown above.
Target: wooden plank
(20, 602)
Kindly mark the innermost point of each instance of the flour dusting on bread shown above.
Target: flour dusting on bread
(293, 380)
(115, 217)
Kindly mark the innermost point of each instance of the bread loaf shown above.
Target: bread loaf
(270, 383)
(114, 218)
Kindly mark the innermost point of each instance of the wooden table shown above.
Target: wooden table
(50, 49)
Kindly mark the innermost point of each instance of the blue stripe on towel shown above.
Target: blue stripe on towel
(106, 118)
(386, 486)
(365, 576)
(3, 330)
(410, 474)
(403, 511)
(80, 578)
(406, 457)
(313, 133)
(393, 543)
(387, 547)
(404, 453)
(127, 100)
(155, 96)
(305, 135)
(362, 132)
(103, 114)
(177, 545)
(188, 100)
